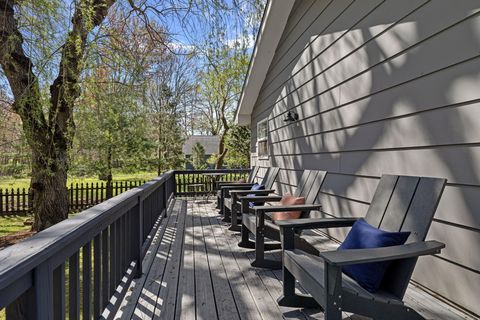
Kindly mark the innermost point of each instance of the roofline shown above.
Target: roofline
(273, 23)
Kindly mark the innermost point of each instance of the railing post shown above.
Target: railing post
(174, 182)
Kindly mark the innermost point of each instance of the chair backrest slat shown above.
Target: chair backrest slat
(253, 174)
(380, 200)
(265, 177)
(399, 202)
(302, 182)
(422, 209)
(272, 176)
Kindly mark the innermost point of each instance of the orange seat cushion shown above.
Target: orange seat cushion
(288, 200)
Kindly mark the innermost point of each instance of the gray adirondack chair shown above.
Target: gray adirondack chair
(220, 184)
(400, 203)
(231, 207)
(257, 222)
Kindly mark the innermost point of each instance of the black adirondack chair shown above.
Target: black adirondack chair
(400, 203)
(256, 221)
(232, 205)
(220, 184)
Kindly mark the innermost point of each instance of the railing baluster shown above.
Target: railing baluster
(137, 235)
(105, 268)
(122, 238)
(43, 285)
(86, 280)
(97, 277)
(118, 252)
(74, 287)
(59, 292)
(113, 252)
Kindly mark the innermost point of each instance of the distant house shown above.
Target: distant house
(210, 143)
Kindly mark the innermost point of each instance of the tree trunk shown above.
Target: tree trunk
(50, 193)
(222, 152)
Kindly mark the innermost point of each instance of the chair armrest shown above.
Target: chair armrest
(356, 256)
(245, 192)
(261, 198)
(236, 187)
(299, 207)
(232, 183)
(313, 223)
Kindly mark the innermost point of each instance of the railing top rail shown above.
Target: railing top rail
(213, 171)
(21, 258)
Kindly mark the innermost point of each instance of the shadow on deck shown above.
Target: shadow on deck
(195, 270)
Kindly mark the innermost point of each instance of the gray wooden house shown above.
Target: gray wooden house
(361, 88)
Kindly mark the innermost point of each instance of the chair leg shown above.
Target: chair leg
(333, 314)
(291, 299)
(260, 261)
(226, 215)
(246, 243)
(234, 226)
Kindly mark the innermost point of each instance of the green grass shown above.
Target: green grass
(10, 182)
(12, 224)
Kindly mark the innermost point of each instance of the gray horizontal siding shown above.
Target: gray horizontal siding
(384, 87)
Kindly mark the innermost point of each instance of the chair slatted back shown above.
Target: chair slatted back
(312, 189)
(404, 203)
(301, 183)
(316, 185)
(270, 177)
(253, 174)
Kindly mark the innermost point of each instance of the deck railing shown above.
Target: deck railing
(82, 266)
(201, 182)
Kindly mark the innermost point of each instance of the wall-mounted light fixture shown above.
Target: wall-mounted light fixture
(291, 116)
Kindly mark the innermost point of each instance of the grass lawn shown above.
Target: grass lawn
(11, 224)
(9, 182)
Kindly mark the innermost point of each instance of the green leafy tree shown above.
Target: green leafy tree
(220, 88)
(47, 116)
(167, 92)
(237, 143)
(111, 130)
(198, 156)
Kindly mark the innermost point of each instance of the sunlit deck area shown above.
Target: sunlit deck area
(195, 270)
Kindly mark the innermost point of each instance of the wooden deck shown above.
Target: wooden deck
(195, 270)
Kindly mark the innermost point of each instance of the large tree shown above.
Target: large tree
(220, 88)
(48, 123)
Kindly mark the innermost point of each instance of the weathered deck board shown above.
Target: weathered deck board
(195, 270)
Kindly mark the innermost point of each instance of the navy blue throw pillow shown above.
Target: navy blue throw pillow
(363, 236)
(256, 186)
